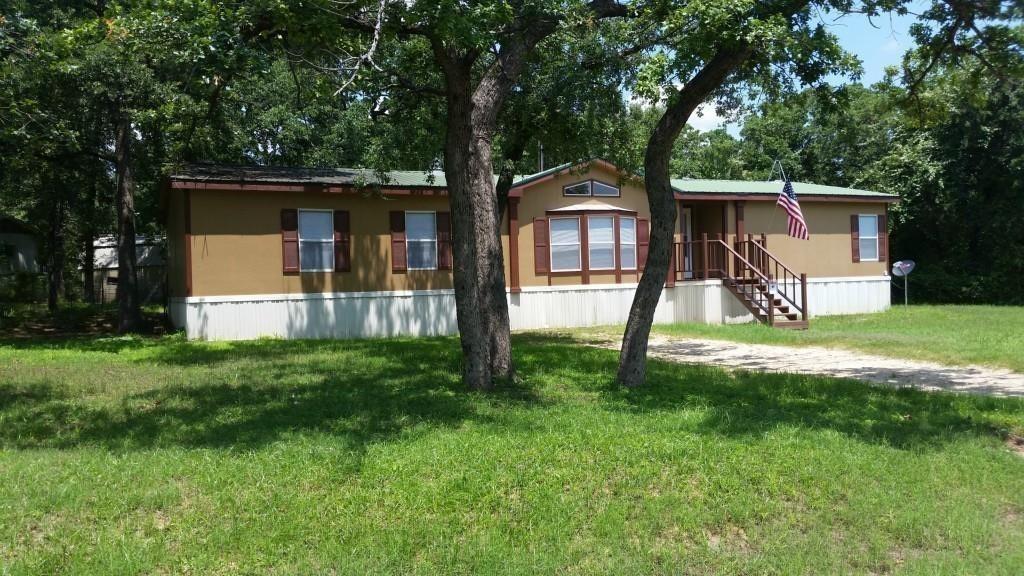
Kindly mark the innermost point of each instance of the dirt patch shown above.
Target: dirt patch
(1015, 444)
(838, 363)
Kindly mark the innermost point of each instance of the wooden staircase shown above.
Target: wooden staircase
(774, 294)
(766, 306)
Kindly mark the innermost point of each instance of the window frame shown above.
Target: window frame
(590, 244)
(590, 183)
(408, 241)
(618, 191)
(578, 244)
(330, 241)
(861, 237)
(636, 234)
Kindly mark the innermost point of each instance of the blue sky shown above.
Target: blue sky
(878, 44)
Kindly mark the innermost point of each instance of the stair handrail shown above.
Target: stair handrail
(743, 260)
(767, 279)
(768, 310)
(772, 256)
(796, 279)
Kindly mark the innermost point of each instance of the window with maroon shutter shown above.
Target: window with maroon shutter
(643, 240)
(342, 242)
(398, 253)
(855, 236)
(444, 241)
(540, 246)
(290, 240)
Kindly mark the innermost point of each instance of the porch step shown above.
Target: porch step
(785, 316)
(791, 324)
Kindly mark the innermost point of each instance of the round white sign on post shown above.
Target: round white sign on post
(902, 268)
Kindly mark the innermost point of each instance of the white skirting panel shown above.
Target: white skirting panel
(432, 312)
(853, 295)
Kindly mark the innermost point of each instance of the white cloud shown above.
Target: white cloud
(705, 118)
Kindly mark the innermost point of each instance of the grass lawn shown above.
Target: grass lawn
(988, 335)
(157, 455)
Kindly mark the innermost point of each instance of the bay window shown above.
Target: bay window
(565, 244)
(627, 242)
(601, 242)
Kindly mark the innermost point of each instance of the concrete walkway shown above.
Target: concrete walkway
(840, 363)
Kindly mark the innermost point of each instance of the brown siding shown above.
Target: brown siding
(827, 253)
(236, 244)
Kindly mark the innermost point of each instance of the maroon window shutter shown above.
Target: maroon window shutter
(855, 236)
(398, 254)
(290, 239)
(444, 241)
(883, 238)
(541, 256)
(342, 242)
(643, 240)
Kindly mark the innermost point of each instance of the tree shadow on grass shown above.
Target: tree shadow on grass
(248, 394)
(749, 404)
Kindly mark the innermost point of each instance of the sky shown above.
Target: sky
(878, 46)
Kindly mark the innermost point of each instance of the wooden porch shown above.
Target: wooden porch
(770, 290)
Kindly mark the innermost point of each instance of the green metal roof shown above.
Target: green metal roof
(692, 186)
(436, 179)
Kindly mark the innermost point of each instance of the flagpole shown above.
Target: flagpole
(770, 174)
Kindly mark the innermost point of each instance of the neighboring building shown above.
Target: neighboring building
(151, 272)
(310, 253)
(19, 247)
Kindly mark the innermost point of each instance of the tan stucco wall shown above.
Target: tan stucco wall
(236, 244)
(547, 195)
(236, 241)
(829, 251)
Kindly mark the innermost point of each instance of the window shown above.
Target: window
(601, 242)
(565, 244)
(601, 189)
(581, 189)
(316, 240)
(868, 228)
(627, 243)
(590, 188)
(421, 240)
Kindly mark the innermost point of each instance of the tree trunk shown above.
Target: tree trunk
(476, 242)
(479, 271)
(88, 242)
(501, 333)
(660, 198)
(55, 258)
(129, 312)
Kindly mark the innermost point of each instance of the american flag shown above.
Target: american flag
(788, 201)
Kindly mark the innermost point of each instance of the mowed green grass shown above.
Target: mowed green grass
(129, 455)
(987, 335)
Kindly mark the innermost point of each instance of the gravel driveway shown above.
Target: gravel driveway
(840, 363)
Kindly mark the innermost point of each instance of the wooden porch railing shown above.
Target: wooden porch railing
(758, 278)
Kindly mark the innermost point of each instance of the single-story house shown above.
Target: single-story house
(19, 247)
(315, 253)
(150, 272)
